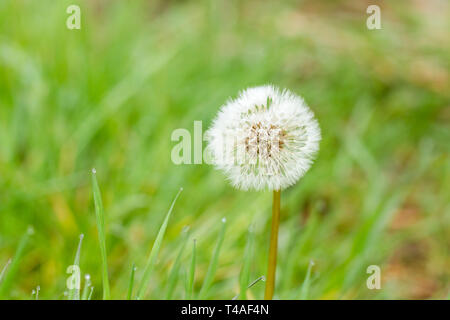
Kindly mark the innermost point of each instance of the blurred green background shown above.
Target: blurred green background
(109, 96)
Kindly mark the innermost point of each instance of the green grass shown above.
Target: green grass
(109, 96)
(306, 283)
(74, 293)
(12, 266)
(87, 289)
(99, 213)
(244, 276)
(175, 271)
(190, 280)
(212, 268)
(142, 290)
(131, 283)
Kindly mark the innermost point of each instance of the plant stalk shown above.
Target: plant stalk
(272, 265)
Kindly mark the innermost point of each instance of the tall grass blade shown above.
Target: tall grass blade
(186, 282)
(9, 275)
(131, 282)
(74, 294)
(262, 278)
(38, 288)
(174, 272)
(305, 286)
(4, 269)
(101, 234)
(244, 276)
(191, 279)
(90, 294)
(214, 262)
(35, 294)
(154, 252)
(87, 287)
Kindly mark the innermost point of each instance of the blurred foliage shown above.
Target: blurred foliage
(109, 96)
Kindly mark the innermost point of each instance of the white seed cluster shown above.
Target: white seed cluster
(264, 139)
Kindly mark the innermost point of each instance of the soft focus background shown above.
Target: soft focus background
(109, 96)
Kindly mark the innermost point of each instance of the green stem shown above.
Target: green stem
(272, 265)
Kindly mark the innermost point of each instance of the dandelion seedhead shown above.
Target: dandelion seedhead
(264, 139)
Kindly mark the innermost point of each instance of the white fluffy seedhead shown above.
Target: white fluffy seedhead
(264, 139)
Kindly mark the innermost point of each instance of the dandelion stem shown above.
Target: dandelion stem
(272, 265)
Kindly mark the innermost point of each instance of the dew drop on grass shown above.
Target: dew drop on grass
(30, 230)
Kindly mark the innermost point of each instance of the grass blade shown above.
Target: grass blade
(74, 294)
(154, 252)
(90, 294)
(174, 273)
(35, 293)
(214, 262)
(262, 278)
(87, 285)
(191, 279)
(306, 283)
(131, 282)
(4, 269)
(244, 276)
(101, 234)
(186, 282)
(8, 275)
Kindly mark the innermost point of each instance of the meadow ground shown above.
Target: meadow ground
(108, 96)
